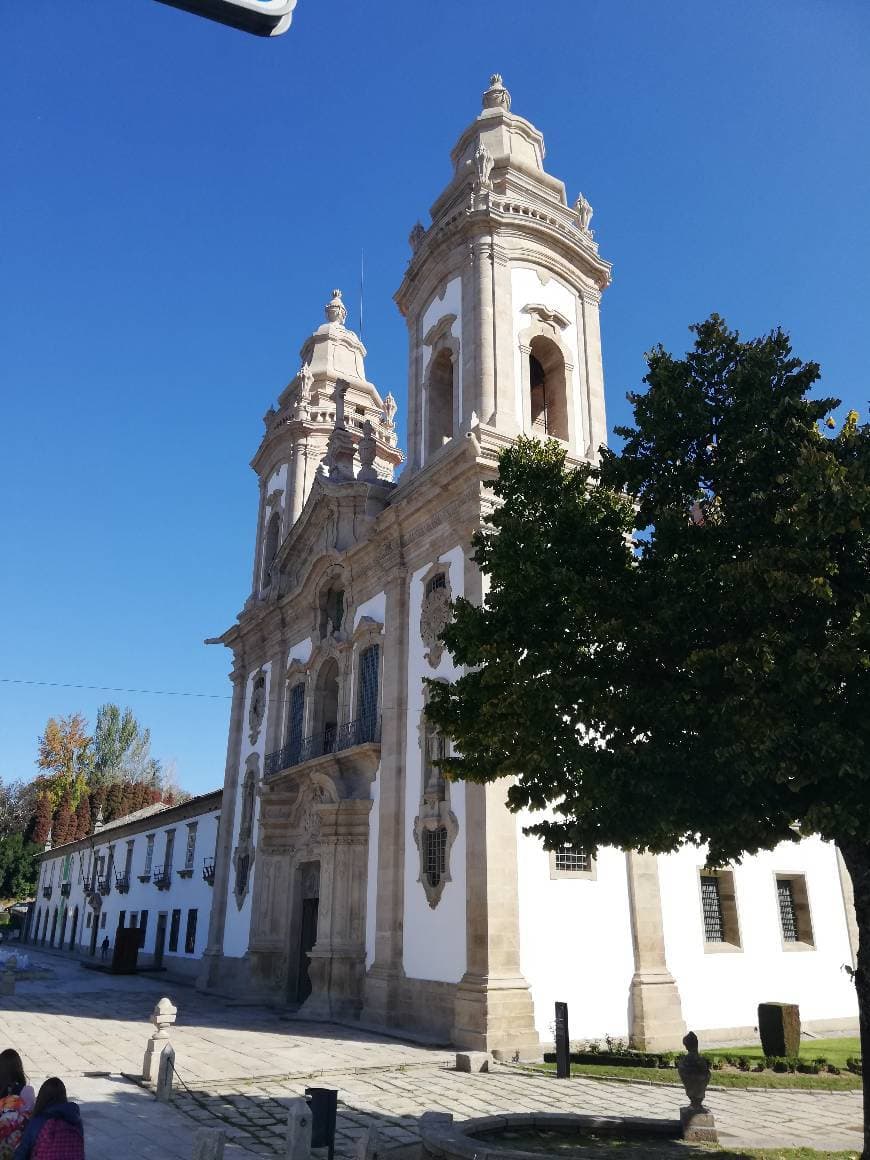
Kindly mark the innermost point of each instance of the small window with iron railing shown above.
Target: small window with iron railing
(367, 697)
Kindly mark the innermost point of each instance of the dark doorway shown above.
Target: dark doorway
(53, 928)
(159, 941)
(307, 939)
(75, 925)
(63, 928)
(95, 929)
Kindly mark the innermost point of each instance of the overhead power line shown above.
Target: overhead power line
(115, 689)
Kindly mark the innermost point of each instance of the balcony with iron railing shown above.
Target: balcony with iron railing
(162, 877)
(333, 739)
(122, 882)
(104, 885)
(65, 888)
(208, 871)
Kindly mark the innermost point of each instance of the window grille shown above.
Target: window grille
(190, 852)
(149, 853)
(434, 854)
(571, 859)
(787, 910)
(174, 925)
(439, 580)
(190, 933)
(170, 850)
(295, 722)
(711, 904)
(128, 865)
(367, 701)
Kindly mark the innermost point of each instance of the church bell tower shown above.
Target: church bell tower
(501, 298)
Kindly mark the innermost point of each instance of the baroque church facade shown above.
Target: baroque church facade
(350, 878)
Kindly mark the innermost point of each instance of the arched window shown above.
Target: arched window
(548, 389)
(367, 692)
(326, 707)
(439, 408)
(331, 611)
(270, 547)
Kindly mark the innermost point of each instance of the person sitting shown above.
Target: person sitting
(55, 1130)
(16, 1102)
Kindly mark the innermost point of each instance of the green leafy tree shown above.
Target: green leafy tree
(17, 866)
(122, 749)
(676, 646)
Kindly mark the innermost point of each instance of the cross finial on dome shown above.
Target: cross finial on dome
(336, 311)
(496, 96)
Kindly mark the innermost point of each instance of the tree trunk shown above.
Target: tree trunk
(856, 855)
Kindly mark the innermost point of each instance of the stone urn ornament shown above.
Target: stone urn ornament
(696, 1120)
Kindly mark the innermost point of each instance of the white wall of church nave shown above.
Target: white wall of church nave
(376, 609)
(434, 939)
(527, 289)
(575, 940)
(724, 988)
(238, 920)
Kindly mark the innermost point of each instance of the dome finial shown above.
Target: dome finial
(496, 96)
(336, 311)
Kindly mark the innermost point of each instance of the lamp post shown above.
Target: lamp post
(259, 17)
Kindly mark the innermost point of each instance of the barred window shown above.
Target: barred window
(190, 933)
(439, 580)
(434, 854)
(571, 859)
(711, 904)
(787, 911)
(367, 699)
(295, 721)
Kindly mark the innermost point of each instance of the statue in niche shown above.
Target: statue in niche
(483, 164)
(257, 711)
(434, 616)
(584, 211)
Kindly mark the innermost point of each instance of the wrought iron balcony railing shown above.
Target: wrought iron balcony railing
(208, 871)
(162, 877)
(122, 882)
(104, 885)
(333, 739)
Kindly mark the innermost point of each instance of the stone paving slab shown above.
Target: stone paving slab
(242, 1064)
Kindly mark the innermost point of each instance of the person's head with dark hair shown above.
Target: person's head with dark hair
(52, 1092)
(12, 1077)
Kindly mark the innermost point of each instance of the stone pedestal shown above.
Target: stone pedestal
(163, 1017)
(698, 1125)
(495, 1014)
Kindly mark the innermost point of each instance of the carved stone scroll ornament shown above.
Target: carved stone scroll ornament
(434, 618)
(243, 855)
(257, 710)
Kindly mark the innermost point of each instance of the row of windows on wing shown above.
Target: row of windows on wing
(102, 870)
(719, 909)
(138, 920)
(548, 394)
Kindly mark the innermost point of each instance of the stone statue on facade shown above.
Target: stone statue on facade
(584, 211)
(336, 311)
(416, 237)
(483, 163)
(367, 449)
(390, 409)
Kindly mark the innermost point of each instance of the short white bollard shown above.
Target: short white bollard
(166, 1073)
(208, 1144)
(298, 1130)
(163, 1016)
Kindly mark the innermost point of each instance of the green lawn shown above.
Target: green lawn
(835, 1051)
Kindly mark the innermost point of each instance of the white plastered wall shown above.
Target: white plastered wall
(434, 939)
(450, 303)
(527, 289)
(722, 989)
(238, 921)
(375, 609)
(575, 941)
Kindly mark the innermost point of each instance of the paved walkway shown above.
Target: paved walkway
(238, 1065)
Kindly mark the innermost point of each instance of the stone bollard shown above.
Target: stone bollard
(696, 1120)
(473, 1061)
(165, 1073)
(298, 1130)
(163, 1016)
(208, 1144)
(7, 983)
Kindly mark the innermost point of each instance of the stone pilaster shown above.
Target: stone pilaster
(386, 971)
(849, 907)
(296, 489)
(493, 1008)
(483, 340)
(506, 419)
(224, 850)
(594, 373)
(339, 955)
(655, 1012)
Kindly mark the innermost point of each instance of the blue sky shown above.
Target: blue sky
(179, 199)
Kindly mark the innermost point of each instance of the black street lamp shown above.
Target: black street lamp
(260, 17)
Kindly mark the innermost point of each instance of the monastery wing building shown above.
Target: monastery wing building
(350, 878)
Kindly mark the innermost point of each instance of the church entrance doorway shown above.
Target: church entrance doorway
(303, 931)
